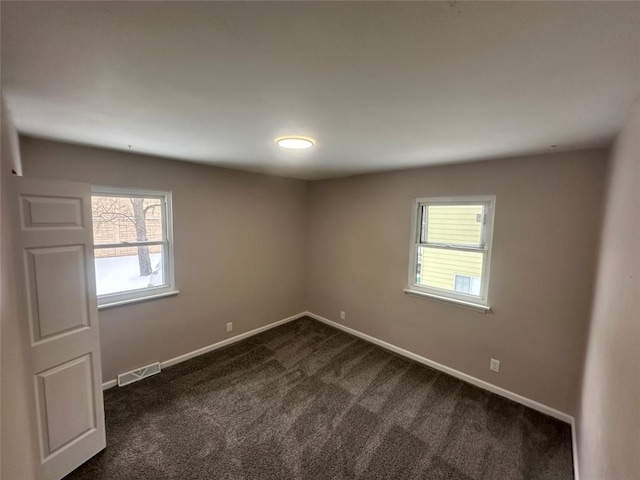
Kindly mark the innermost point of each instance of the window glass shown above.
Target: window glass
(450, 253)
(455, 224)
(126, 219)
(438, 267)
(466, 284)
(132, 248)
(123, 269)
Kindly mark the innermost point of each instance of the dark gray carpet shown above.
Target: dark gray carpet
(307, 401)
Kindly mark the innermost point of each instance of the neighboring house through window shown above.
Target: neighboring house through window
(466, 284)
(451, 248)
(133, 244)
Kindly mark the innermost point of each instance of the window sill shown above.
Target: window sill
(139, 299)
(452, 301)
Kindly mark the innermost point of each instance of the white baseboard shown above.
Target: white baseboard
(552, 412)
(209, 348)
(109, 384)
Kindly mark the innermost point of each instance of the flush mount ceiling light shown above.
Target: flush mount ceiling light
(295, 142)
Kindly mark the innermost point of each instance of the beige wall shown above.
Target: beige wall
(609, 420)
(546, 227)
(239, 250)
(17, 439)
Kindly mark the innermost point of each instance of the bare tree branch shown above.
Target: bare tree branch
(151, 207)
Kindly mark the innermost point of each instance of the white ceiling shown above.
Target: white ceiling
(381, 86)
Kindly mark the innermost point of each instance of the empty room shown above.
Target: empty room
(320, 240)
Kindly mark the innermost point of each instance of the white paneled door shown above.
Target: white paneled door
(54, 241)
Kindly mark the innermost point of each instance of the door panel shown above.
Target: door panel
(55, 241)
(55, 306)
(51, 212)
(66, 403)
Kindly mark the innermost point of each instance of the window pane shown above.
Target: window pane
(462, 284)
(467, 284)
(455, 224)
(439, 268)
(126, 219)
(129, 268)
(423, 223)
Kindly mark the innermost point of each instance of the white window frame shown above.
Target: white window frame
(148, 293)
(478, 302)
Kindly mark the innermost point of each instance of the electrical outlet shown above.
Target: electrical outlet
(343, 315)
(494, 365)
(229, 326)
